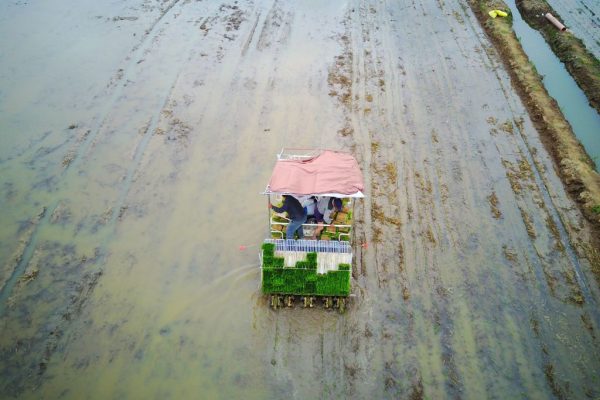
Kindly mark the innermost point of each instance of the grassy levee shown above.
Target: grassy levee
(581, 64)
(574, 165)
(302, 279)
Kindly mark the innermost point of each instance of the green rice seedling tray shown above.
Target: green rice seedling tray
(302, 279)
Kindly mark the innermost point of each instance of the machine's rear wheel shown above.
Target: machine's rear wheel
(308, 301)
(341, 304)
(276, 301)
(289, 301)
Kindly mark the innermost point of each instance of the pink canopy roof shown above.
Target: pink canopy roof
(330, 173)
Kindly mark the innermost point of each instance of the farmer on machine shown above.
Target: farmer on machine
(296, 214)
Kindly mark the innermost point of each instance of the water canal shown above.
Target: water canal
(584, 119)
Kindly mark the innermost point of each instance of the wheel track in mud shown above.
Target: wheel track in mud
(538, 186)
(440, 232)
(422, 208)
(84, 147)
(366, 68)
(119, 83)
(388, 279)
(542, 187)
(537, 265)
(117, 86)
(400, 377)
(84, 150)
(364, 137)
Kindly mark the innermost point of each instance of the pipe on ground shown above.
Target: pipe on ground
(555, 22)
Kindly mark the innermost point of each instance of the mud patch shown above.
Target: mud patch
(494, 202)
(11, 267)
(528, 224)
(39, 310)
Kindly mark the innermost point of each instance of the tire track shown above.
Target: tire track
(86, 286)
(542, 186)
(123, 75)
(500, 337)
(440, 234)
(84, 147)
(546, 198)
(394, 379)
(423, 215)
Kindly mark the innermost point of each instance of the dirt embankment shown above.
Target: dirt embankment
(581, 64)
(575, 167)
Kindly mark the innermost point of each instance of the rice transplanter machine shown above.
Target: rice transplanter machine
(319, 264)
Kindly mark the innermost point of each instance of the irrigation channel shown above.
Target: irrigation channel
(584, 119)
(137, 135)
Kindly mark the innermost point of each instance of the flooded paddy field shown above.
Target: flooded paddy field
(582, 17)
(135, 138)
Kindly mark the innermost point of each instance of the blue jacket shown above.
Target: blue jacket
(292, 206)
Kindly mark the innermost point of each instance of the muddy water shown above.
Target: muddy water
(136, 138)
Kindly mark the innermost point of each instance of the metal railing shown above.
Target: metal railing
(318, 246)
(310, 228)
(288, 153)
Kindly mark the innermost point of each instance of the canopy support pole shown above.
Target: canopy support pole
(269, 214)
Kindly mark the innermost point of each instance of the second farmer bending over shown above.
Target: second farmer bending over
(296, 213)
(325, 211)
